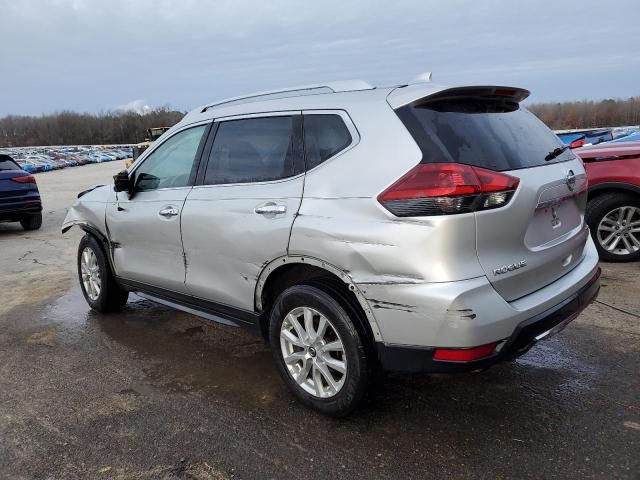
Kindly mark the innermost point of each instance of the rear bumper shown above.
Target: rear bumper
(16, 210)
(525, 335)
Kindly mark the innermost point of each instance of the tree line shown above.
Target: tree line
(71, 128)
(589, 113)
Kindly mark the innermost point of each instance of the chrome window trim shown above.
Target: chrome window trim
(266, 182)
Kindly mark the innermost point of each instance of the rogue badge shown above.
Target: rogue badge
(510, 268)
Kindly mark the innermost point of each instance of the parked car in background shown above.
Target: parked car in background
(613, 209)
(412, 227)
(53, 158)
(41, 165)
(574, 140)
(632, 137)
(590, 136)
(19, 195)
(27, 166)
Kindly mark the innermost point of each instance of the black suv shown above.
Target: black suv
(19, 195)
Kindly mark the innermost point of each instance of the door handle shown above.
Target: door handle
(168, 212)
(270, 209)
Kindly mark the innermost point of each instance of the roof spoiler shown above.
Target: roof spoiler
(512, 93)
(416, 93)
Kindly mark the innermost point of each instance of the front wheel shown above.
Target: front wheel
(99, 288)
(318, 351)
(614, 220)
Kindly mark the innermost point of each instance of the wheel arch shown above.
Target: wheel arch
(94, 231)
(288, 267)
(612, 187)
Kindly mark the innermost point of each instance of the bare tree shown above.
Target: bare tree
(71, 128)
(587, 113)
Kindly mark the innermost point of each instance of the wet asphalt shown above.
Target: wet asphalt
(153, 393)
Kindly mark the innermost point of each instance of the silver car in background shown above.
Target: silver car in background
(415, 228)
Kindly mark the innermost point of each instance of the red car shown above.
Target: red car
(613, 211)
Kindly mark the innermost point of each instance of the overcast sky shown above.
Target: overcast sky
(93, 55)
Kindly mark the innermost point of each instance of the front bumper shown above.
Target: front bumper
(527, 333)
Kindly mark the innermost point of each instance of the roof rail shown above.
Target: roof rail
(314, 89)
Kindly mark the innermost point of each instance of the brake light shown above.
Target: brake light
(447, 188)
(577, 143)
(25, 179)
(465, 354)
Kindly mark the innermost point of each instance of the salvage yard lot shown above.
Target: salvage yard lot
(153, 393)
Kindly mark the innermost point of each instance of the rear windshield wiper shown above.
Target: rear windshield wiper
(556, 152)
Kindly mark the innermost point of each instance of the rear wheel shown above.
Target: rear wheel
(32, 221)
(318, 351)
(614, 220)
(99, 288)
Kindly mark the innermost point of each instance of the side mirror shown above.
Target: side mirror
(121, 182)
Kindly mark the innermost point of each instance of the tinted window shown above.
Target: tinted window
(324, 136)
(6, 163)
(494, 134)
(252, 150)
(170, 165)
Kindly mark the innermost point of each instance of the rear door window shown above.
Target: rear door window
(325, 135)
(493, 134)
(254, 150)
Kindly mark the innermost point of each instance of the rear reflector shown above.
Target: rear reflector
(447, 188)
(24, 179)
(465, 354)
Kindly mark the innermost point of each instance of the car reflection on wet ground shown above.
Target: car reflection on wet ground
(154, 393)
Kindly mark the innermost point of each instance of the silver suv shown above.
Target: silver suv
(412, 228)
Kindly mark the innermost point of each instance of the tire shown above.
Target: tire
(296, 300)
(109, 297)
(608, 205)
(32, 221)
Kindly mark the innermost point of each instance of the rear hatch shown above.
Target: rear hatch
(538, 233)
(12, 184)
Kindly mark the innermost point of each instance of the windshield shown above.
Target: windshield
(493, 134)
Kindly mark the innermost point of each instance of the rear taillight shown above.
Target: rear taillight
(577, 143)
(25, 179)
(447, 188)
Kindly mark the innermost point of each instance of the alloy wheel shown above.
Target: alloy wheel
(313, 352)
(619, 231)
(90, 271)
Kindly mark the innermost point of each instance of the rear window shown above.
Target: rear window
(6, 163)
(494, 134)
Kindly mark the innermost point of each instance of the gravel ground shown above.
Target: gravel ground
(152, 393)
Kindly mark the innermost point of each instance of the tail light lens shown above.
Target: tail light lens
(465, 354)
(447, 188)
(25, 179)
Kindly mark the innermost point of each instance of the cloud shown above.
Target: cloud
(88, 55)
(137, 106)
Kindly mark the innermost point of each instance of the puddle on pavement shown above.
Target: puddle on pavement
(573, 376)
(179, 352)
